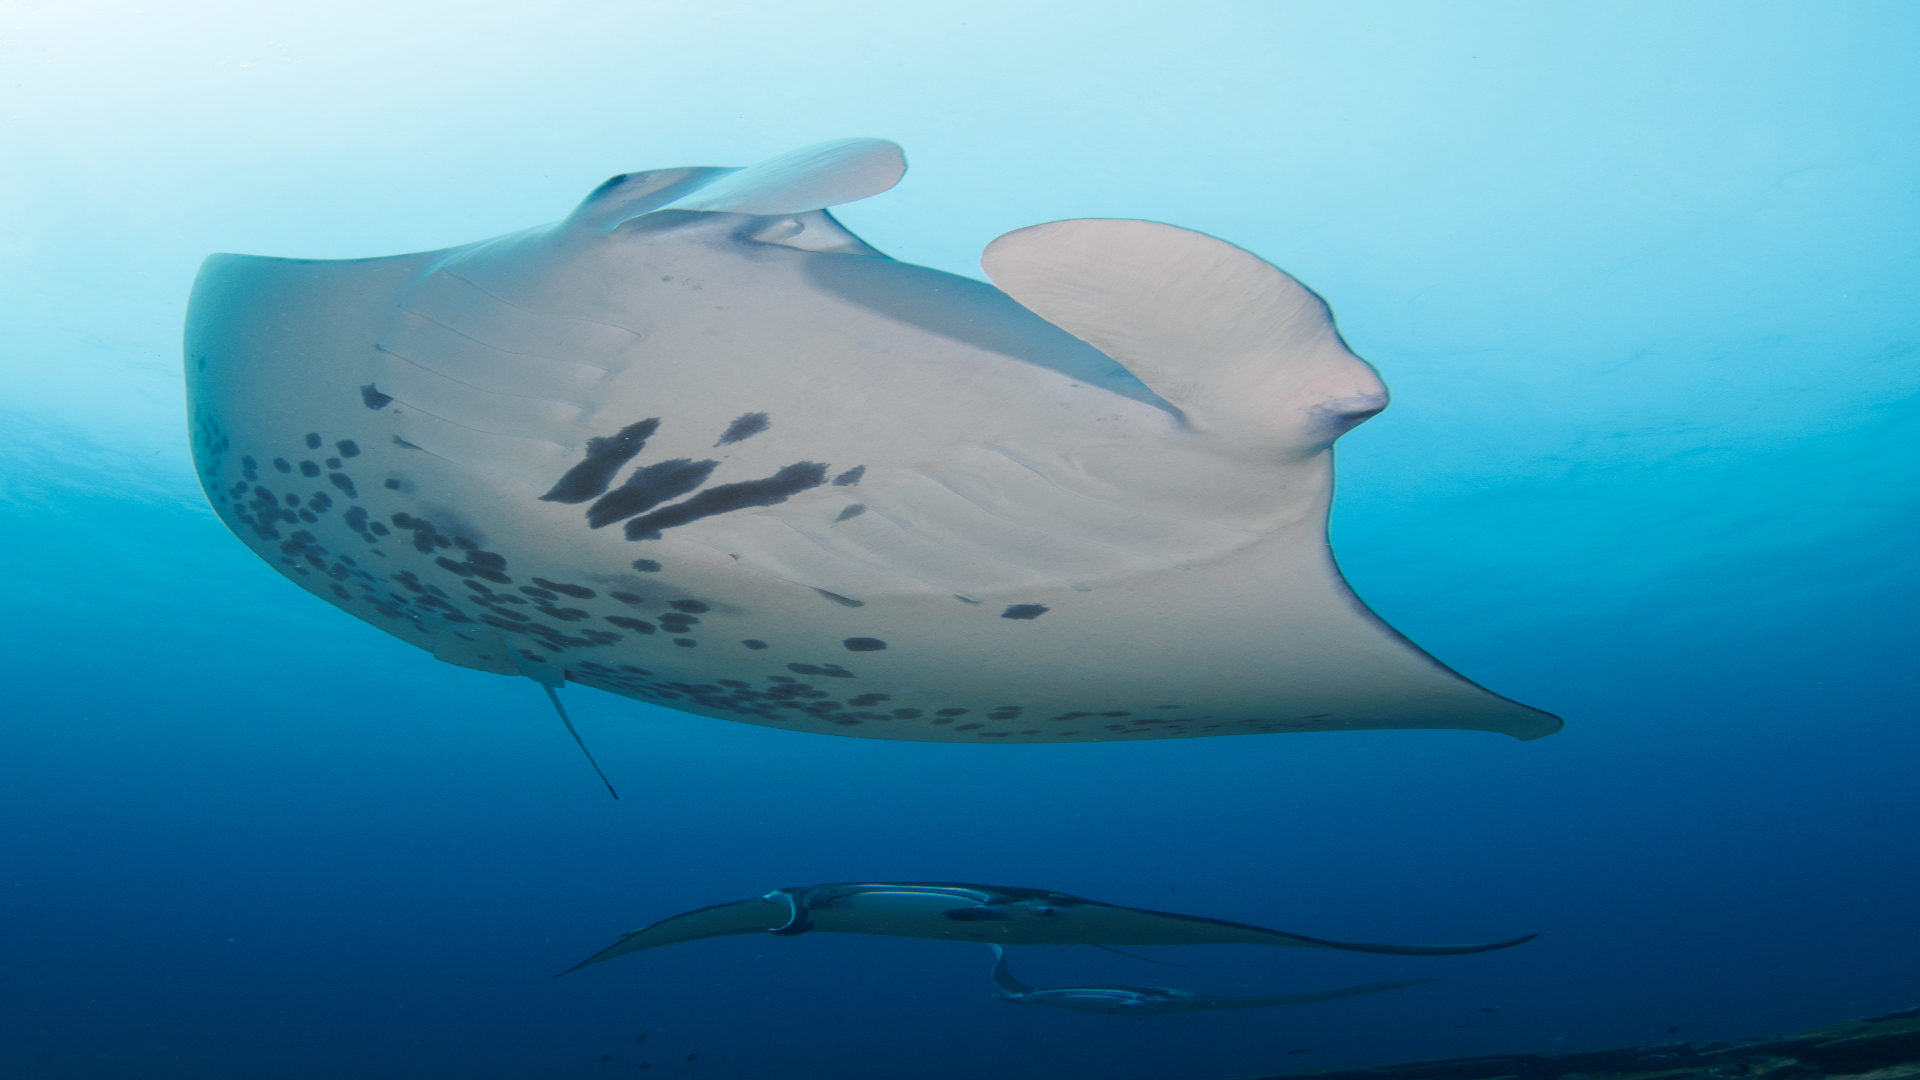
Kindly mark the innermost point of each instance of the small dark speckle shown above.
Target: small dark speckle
(755, 644)
(373, 398)
(685, 642)
(864, 644)
(745, 427)
(850, 477)
(1024, 611)
(313, 440)
(646, 566)
(853, 511)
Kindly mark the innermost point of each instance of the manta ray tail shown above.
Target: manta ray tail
(1148, 959)
(562, 710)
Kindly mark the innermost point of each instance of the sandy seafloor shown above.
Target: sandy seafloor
(1641, 276)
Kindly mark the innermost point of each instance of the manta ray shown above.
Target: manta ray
(1155, 1000)
(988, 914)
(700, 446)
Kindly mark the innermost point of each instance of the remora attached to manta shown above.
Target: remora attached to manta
(700, 446)
(1156, 1000)
(988, 914)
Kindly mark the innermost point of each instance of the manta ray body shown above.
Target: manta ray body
(987, 914)
(700, 446)
(1156, 1000)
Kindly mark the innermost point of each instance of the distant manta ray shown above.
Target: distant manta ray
(1154, 1000)
(700, 446)
(989, 914)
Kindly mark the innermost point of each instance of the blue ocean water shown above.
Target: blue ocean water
(1641, 276)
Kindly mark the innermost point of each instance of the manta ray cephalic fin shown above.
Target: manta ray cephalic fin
(1243, 349)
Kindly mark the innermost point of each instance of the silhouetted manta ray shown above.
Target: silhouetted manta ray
(1151, 1000)
(700, 446)
(990, 914)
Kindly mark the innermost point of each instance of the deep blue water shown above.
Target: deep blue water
(1643, 281)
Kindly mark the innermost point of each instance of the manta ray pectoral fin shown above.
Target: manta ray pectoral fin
(753, 916)
(1244, 350)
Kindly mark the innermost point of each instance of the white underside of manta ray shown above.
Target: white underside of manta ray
(987, 914)
(1156, 1000)
(700, 446)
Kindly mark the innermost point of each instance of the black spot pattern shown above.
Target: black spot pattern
(850, 477)
(283, 465)
(578, 592)
(770, 491)
(604, 458)
(313, 440)
(309, 468)
(864, 644)
(348, 448)
(646, 566)
(1024, 611)
(373, 398)
(753, 643)
(744, 427)
(853, 511)
(648, 487)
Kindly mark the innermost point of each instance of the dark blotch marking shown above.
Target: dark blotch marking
(951, 712)
(393, 485)
(335, 463)
(313, 440)
(864, 644)
(745, 427)
(694, 606)
(769, 491)
(604, 458)
(650, 486)
(646, 566)
(282, 464)
(685, 642)
(578, 592)
(755, 644)
(626, 597)
(843, 601)
(850, 477)
(1024, 611)
(373, 398)
(832, 671)
(639, 626)
(853, 511)
(348, 448)
(540, 593)
(309, 468)
(343, 482)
